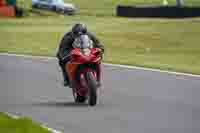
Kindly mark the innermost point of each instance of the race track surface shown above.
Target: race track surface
(130, 101)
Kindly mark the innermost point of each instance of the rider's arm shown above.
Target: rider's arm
(65, 46)
(96, 41)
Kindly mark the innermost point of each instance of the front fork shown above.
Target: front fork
(99, 73)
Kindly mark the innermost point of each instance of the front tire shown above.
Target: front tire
(92, 85)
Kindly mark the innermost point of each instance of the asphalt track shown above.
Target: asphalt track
(130, 101)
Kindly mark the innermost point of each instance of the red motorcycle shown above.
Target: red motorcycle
(84, 70)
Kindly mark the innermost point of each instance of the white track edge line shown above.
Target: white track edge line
(154, 70)
(109, 64)
(12, 115)
(28, 56)
(51, 129)
(43, 126)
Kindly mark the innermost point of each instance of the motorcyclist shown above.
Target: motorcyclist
(65, 46)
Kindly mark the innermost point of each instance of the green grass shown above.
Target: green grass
(23, 125)
(170, 44)
(107, 7)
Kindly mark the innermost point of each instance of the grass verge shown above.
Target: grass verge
(160, 43)
(105, 7)
(169, 44)
(22, 125)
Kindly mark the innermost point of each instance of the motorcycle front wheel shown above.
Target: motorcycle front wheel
(92, 86)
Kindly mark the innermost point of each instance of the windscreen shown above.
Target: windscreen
(83, 42)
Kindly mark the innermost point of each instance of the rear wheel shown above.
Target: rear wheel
(92, 85)
(78, 98)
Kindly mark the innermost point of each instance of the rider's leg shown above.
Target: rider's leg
(64, 73)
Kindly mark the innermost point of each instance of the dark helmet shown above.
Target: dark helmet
(79, 29)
